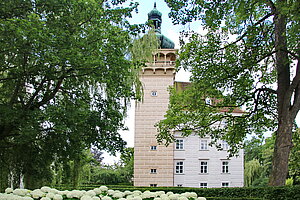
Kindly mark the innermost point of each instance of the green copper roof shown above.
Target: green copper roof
(164, 42)
(155, 16)
(154, 12)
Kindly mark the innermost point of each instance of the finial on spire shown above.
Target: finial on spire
(154, 4)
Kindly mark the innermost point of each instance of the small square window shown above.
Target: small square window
(208, 101)
(225, 184)
(153, 185)
(154, 93)
(153, 171)
(153, 148)
(179, 144)
(179, 185)
(203, 185)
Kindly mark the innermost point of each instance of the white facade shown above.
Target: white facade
(204, 165)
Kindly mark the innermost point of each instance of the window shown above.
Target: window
(224, 145)
(179, 185)
(225, 184)
(203, 145)
(153, 148)
(225, 166)
(153, 171)
(153, 185)
(203, 185)
(208, 101)
(154, 93)
(203, 167)
(179, 167)
(179, 144)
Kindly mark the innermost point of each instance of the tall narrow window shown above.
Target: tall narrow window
(153, 171)
(203, 185)
(203, 145)
(179, 167)
(225, 167)
(179, 144)
(203, 167)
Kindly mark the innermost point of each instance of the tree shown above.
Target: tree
(65, 81)
(258, 71)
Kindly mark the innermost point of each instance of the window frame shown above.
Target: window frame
(179, 168)
(153, 93)
(225, 167)
(203, 186)
(153, 171)
(205, 144)
(204, 168)
(179, 146)
(153, 147)
(223, 184)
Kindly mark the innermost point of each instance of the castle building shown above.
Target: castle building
(190, 161)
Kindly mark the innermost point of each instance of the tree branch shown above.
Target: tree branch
(243, 35)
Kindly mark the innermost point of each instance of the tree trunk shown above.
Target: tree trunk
(76, 172)
(282, 148)
(283, 142)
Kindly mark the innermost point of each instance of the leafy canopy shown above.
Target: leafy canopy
(233, 64)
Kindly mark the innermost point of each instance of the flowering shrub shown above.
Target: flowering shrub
(101, 193)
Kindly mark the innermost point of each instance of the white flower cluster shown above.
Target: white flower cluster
(101, 193)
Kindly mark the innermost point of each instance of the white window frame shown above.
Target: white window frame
(225, 166)
(203, 144)
(224, 145)
(153, 148)
(153, 171)
(154, 93)
(208, 101)
(179, 167)
(179, 144)
(203, 167)
(223, 184)
(203, 185)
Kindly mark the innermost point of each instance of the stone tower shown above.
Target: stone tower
(153, 163)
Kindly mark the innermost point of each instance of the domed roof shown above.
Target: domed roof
(154, 13)
(155, 16)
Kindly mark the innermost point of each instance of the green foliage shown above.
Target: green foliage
(244, 60)
(58, 88)
(246, 193)
(258, 161)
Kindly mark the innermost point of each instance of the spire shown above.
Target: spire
(155, 16)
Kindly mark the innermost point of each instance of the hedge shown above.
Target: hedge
(242, 193)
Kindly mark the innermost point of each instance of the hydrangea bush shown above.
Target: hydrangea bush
(101, 193)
